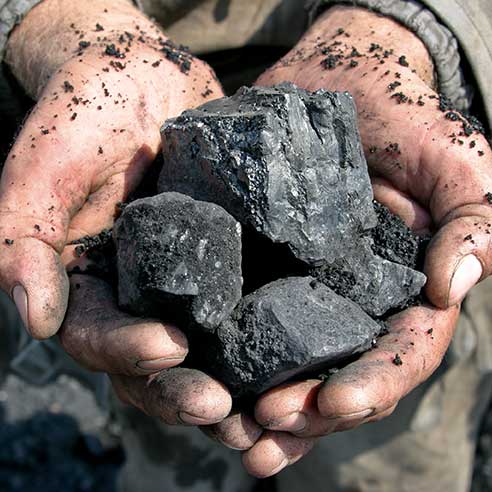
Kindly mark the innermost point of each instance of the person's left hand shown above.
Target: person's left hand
(424, 169)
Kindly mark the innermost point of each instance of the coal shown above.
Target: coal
(323, 263)
(178, 259)
(285, 161)
(285, 329)
(375, 284)
(394, 241)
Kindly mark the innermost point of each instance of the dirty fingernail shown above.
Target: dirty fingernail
(187, 418)
(159, 364)
(467, 274)
(280, 467)
(294, 422)
(354, 416)
(19, 296)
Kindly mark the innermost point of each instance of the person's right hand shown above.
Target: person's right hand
(86, 145)
(140, 356)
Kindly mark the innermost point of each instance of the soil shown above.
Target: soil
(101, 252)
(177, 54)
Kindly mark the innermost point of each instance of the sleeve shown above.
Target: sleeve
(13, 102)
(11, 14)
(439, 40)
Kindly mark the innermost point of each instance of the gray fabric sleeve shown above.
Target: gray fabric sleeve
(438, 39)
(11, 14)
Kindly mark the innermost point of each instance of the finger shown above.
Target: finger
(237, 431)
(459, 256)
(32, 273)
(292, 407)
(407, 356)
(401, 204)
(368, 389)
(102, 338)
(178, 396)
(273, 452)
(36, 200)
(304, 397)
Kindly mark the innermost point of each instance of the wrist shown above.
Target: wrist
(345, 38)
(109, 32)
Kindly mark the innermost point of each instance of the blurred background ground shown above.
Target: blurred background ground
(55, 438)
(482, 478)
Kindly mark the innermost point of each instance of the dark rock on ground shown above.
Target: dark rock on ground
(283, 160)
(375, 284)
(178, 259)
(55, 438)
(286, 328)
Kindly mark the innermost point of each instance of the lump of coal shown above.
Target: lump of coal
(375, 284)
(283, 160)
(394, 241)
(286, 328)
(178, 259)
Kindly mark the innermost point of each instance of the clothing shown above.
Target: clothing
(11, 14)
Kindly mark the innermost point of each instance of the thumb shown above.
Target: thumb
(34, 276)
(459, 256)
(37, 198)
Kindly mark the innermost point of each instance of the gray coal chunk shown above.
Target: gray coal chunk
(283, 160)
(374, 283)
(287, 328)
(178, 257)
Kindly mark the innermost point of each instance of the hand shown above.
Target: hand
(140, 355)
(88, 141)
(425, 170)
(86, 145)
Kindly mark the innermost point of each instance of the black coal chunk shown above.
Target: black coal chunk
(178, 259)
(287, 328)
(394, 241)
(283, 160)
(375, 284)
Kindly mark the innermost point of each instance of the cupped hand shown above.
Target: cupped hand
(85, 146)
(140, 356)
(426, 160)
(429, 165)
(288, 419)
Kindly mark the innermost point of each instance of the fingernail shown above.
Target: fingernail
(187, 418)
(280, 467)
(19, 295)
(468, 272)
(159, 364)
(294, 422)
(354, 416)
